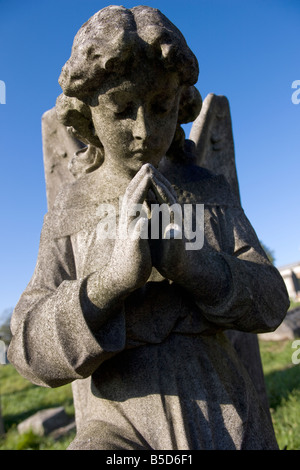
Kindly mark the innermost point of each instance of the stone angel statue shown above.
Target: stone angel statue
(138, 324)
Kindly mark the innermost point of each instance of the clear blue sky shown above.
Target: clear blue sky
(247, 51)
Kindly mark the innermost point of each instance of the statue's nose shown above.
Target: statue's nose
(141, 128)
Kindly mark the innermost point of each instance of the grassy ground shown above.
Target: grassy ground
(20, 399)
(282, 379)
(294, 304)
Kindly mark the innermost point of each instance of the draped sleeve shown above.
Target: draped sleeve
(257, 299)
(53, 342)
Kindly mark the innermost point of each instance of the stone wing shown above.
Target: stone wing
(212, 134)
(59, 147)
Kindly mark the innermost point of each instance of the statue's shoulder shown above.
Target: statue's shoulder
(76, 195)
(204, 185)
(74, 208)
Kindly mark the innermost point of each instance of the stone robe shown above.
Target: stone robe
(160, 373)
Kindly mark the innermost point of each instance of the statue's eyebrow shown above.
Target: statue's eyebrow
(118, 93)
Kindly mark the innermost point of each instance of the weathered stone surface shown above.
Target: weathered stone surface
(212, 136)
(137, 323)
(288, 330)
(214, 117)
(59, 146)
(45, 421)
(63, 431)
(247, 348)
(214, 145)
(292, 320)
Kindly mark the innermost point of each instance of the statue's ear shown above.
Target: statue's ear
(85, 161)
(76, 115)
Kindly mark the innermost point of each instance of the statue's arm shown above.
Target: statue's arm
(54, 338)
(243, 290)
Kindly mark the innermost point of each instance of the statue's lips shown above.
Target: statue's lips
(143, 153)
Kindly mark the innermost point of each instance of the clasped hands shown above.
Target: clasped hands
(202, 272)
(135, 247)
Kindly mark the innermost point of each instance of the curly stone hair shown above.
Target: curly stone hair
(108, 43)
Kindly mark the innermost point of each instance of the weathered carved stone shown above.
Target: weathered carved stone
(59, 147)
(136, 322)
(45, 421)
(212, 135)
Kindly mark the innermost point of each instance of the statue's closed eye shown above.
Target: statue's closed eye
(162, 104)
(124, 111)
(160, 108)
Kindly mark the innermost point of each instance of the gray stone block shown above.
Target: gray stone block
(45, 421)
(288, 330)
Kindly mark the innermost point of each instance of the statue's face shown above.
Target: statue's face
(135, 118)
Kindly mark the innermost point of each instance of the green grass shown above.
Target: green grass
(294, 304)
(20, 399)
(282, 379)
